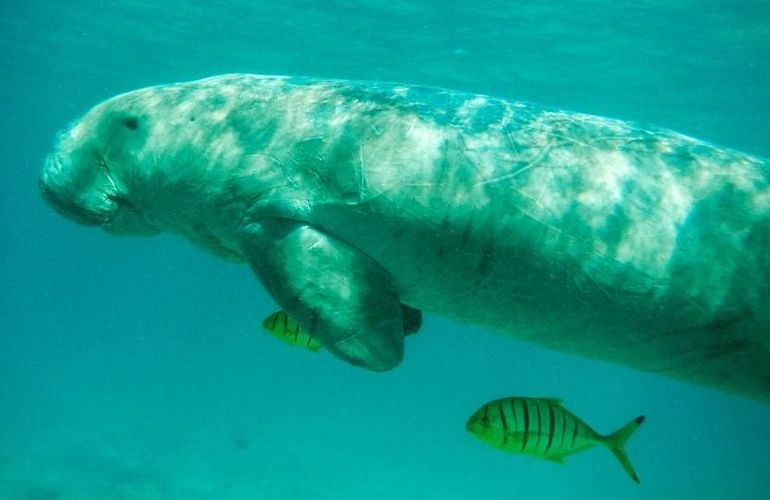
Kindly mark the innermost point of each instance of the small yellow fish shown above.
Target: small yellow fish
(543, 428)
(281, 326)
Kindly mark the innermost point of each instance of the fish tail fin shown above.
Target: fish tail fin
(616, 442)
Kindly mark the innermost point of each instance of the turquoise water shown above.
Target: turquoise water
(136, 368)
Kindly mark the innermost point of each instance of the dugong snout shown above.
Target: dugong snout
(83, 195)
(79, 185)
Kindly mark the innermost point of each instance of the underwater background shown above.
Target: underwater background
(137, 368)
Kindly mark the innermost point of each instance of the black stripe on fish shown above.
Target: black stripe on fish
(526, 424)
(502, 419)
(296, 331)
(539, 425)
(551, 427)
(502, 415)
(563, 429)
(275, 320)
(574, 431)
(285, 324)
(513, 412)
(485, 417)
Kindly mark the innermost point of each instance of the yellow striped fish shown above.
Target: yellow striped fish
(281, 326)
(543, 428)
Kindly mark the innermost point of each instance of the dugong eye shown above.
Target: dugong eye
(131, 123)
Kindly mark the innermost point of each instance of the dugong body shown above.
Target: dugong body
(584, 234)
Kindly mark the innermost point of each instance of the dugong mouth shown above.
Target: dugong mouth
(81, 195)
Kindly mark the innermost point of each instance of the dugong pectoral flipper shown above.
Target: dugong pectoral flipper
(334, 290)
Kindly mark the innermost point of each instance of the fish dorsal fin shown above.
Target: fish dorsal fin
(552, 401)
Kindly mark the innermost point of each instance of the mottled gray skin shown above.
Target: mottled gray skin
(584, 234)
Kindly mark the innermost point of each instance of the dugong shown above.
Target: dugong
(584, 234)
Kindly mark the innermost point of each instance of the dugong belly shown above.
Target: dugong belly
(585, 234)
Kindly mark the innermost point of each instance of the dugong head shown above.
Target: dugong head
(79, 176)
